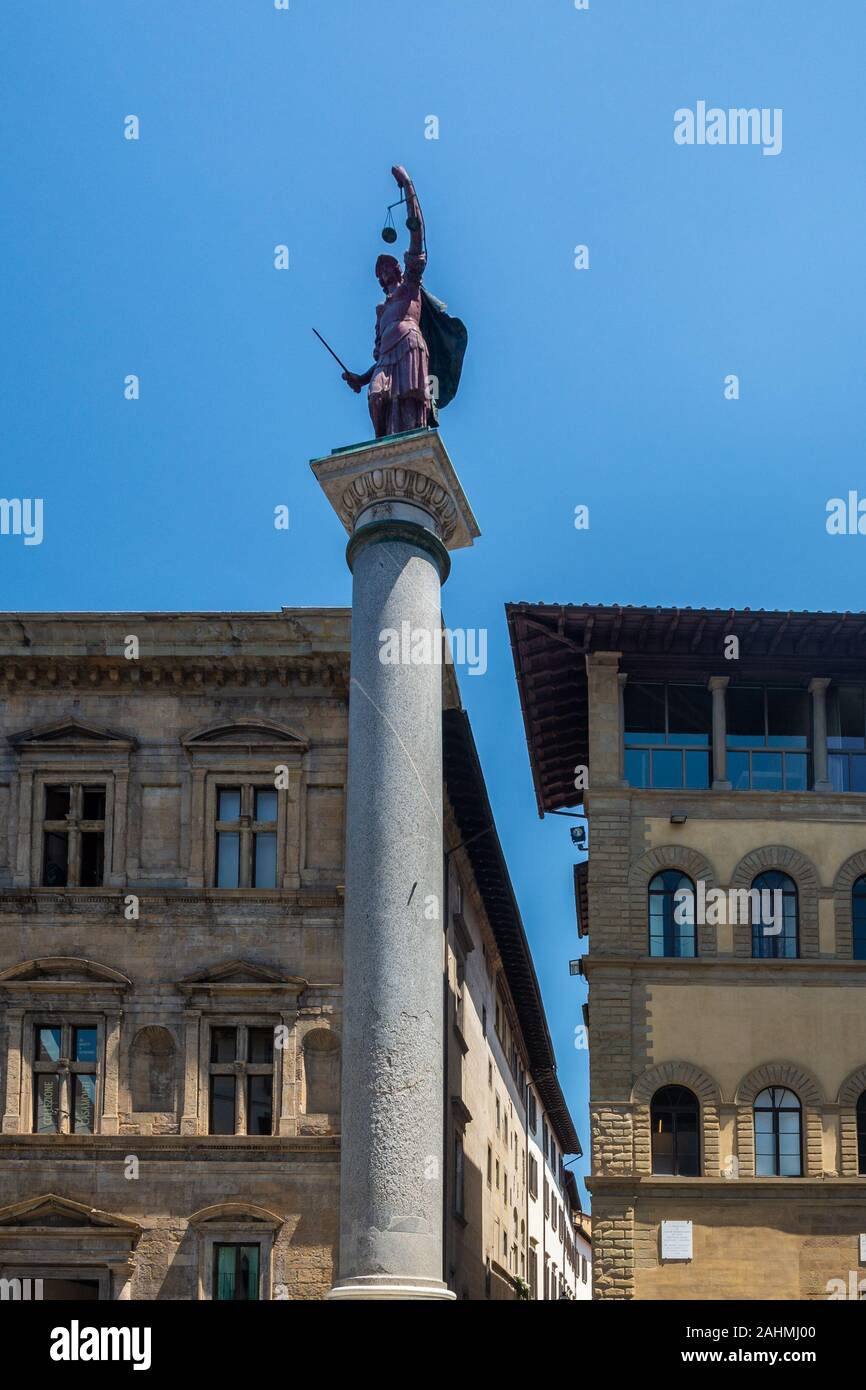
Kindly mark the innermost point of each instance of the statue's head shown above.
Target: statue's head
(388, 273)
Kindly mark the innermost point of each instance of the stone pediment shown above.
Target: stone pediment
(70, 734)
(50, 1212)
(250, 736)
(63, 972)
(234, 1213)
(241, 975)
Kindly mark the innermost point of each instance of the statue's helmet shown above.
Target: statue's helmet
(383, 262)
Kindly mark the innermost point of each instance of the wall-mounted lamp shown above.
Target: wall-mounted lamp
(574, 967)
(679, 818)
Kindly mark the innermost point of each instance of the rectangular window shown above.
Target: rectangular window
(246, 837)
(236, 1273)
(65, 1074)
(489, 1166)
(533, 1177)
(768, 738)
(458, 1176)
(73, 836)
(668, 735)
(241, 1079)
(846, 738)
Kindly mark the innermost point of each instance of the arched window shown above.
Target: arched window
(778, 1134)
(861, 1133)
(672, 915)
(773, 906)
(676, 1120)
(858, 918)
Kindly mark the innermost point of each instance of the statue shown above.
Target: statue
(418, 351)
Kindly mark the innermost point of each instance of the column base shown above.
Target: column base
(387, 1286)
(720, 786)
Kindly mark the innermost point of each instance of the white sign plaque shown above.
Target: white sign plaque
(677, 1240)
(862, 1249)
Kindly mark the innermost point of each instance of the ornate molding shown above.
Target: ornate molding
(384, 485)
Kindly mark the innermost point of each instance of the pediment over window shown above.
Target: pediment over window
(235, 1213)
(51, 1213)
(58, 973)
(250, 736)
(69, 735)
(242, 975)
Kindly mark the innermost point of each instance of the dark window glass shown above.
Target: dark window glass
(846, 721)
(774, 916)
(222, 1105)
(778, 1137)
(675, 1114)
(672, 915)
(48, 1045)
(266, 804)
(260, 1045)
(57, 802)
(46, 1117)
(861, 1133)
(236, 1273)
(858, 914)
(260, 1105)
(697, 770)
(92, 858)
(787, 718)
(857, 764)
(93, 803)
(55, 871)
(70, 1290)
(667, 768)
(228, 859)
(84, 1044)
(644, 707)
(83, 1104)
(223, 1044)
(265, 861)
(745, 714)
(690, 714)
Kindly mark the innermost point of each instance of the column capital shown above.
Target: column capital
(819, 683)
(718, 682)
(403, 477)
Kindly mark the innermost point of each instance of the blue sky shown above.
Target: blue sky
(602, 387)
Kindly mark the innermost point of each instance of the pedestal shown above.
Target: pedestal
(401, 502)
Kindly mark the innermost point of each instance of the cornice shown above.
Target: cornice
(326, 673)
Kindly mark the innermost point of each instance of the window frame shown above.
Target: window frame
(784, 751)
(242, 1070)
(66, 1068)
(775, 1110)
(669, 893)
(676, 1108)
(632, 742)
(247, 828)
(782, 936)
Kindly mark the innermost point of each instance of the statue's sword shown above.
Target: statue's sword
(330, 350)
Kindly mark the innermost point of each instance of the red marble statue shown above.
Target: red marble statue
(398, 393)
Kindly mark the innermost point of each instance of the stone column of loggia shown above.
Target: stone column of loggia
(391, 1196)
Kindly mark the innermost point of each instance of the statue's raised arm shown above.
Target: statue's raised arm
(415, 259)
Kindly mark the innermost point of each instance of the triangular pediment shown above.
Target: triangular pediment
(241, 975)
(237, 972)
(62, 970)
(52, 1212)
(67, 733)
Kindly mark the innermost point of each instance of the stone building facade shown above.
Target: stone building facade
(725, 903)
(172, 792)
